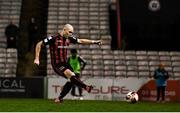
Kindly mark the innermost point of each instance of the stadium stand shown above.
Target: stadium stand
(9, 10)
(90, 19)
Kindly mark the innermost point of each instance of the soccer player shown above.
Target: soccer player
(78, 64)
(58, 51)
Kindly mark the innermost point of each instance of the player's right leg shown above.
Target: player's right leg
(70, 75)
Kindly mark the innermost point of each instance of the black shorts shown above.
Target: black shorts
(60, 68)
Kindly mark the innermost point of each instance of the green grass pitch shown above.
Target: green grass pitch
(45, 105)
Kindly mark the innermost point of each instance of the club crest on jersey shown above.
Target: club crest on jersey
(154, 5)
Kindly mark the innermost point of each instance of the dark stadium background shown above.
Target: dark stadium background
(149, 30)
(141, 28)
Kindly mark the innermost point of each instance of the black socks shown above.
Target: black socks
(77, 82)
(65, 90)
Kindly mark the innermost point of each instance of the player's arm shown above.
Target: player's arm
(74, 39)
(48, 40)
(82, 62)
(87, 41)
(37, 52)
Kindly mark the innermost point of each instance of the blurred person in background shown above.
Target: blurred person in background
(78, 64)
(58, 45)
(33, 33)
(11, 33)
(161, 76)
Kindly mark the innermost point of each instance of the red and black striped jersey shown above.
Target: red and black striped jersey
(58, 47)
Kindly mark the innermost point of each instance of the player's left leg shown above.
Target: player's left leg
(66, 88)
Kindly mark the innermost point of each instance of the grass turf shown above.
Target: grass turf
(44, 105)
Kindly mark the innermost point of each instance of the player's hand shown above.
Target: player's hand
(99, 42)
(36, 61)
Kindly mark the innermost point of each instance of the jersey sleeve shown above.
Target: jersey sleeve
(48, 40)
(73, 39)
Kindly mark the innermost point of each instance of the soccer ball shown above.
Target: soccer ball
(132, 97)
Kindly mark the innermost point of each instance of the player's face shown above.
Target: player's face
(68, 32)
(73, 55)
